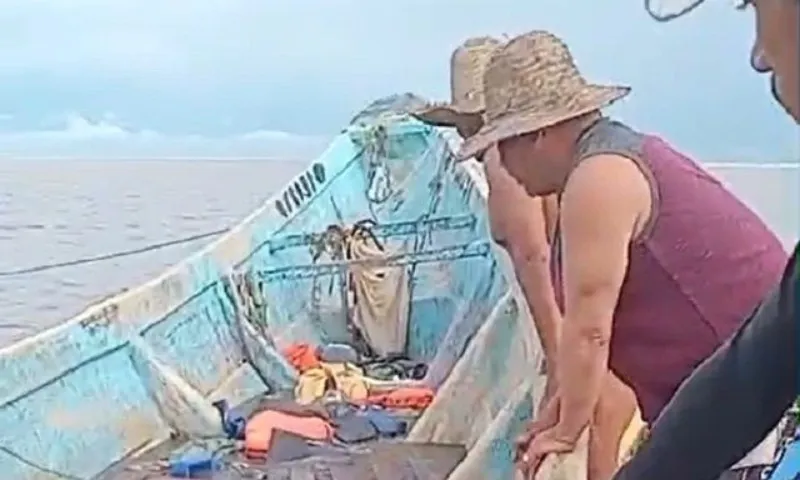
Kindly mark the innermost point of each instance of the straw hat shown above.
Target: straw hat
(467, 65)
(532, 83)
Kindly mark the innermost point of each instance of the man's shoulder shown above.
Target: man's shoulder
(606, 185)
(608, 173)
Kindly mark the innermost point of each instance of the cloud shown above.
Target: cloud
(226, 75)
(108, 138)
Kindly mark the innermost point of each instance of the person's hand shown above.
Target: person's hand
(545, 419)
(543, 444)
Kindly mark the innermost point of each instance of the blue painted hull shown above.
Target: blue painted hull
(120, 377)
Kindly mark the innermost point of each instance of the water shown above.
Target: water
(52, 211)
(773, 191)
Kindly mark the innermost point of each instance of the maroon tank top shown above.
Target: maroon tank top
(701, 265)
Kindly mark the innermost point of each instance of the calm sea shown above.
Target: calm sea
(52, 211)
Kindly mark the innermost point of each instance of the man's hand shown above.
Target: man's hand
(545, 419)
(543, 444)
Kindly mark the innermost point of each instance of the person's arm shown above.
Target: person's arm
(523, 231)
(604, 202)
(732, 400)
(530, 252)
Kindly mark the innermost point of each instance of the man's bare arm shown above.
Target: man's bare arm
(530, 251)
(520, 223)
(603, 203)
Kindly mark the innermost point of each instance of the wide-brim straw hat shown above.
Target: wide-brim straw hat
(467, 66)
(532, 83)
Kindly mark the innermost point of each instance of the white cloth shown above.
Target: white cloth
(763, 454)
(381, 309)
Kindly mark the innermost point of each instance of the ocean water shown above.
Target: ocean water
(53, 211)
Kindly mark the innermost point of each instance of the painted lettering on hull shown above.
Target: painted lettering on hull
(301, 190)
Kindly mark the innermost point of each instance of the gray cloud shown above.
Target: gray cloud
(205, 67)
(83, 138)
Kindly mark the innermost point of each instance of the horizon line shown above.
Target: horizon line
(768, 165)
(157, 158)
(715, 164)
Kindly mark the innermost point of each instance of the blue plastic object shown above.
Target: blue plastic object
(193, 464)
(788, 467)
(233, 422)
(387, 424)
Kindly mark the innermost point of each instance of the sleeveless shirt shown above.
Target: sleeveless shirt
(702, 263)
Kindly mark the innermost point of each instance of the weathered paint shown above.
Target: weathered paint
(126, 372)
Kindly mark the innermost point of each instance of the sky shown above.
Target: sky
(268, 78)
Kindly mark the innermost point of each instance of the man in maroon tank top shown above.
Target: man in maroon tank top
(525, 232)
(741, 392)
(660, 263)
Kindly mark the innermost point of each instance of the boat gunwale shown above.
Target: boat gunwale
(32, 345)
(403, 125)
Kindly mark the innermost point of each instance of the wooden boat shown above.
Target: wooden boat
(139, 370)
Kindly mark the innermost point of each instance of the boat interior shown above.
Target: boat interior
(384, 225)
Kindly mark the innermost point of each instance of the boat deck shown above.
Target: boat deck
(382, 458)
(376, 461)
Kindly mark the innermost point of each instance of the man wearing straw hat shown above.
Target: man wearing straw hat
(525, 231)
(741, 391)
(659, 262)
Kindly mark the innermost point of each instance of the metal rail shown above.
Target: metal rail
(395, 229)
(298, 272)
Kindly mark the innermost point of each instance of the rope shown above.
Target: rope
(110, 256)
(82, 261)
(666, 17)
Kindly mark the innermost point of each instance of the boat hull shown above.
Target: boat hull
(128, 373)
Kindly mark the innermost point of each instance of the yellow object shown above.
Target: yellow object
(310, 386)
(347, 379)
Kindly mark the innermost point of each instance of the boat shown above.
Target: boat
(383, 225)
